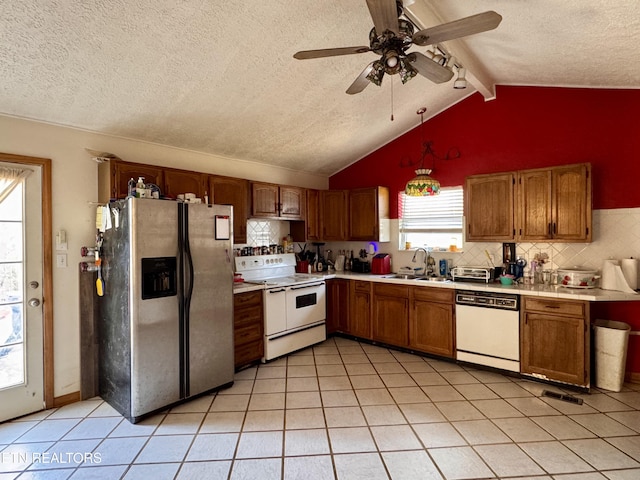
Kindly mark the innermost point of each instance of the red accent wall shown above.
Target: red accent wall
(524, 127)
(527, 127)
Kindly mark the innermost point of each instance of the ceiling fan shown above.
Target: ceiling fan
(391, 37)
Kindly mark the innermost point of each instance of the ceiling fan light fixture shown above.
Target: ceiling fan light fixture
(422, 185)
(376, 73)
(461, 81)
(407, 72)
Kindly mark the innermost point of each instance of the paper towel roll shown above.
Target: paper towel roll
(608, 281)
(630, 270)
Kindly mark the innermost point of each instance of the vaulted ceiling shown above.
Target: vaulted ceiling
(219, 77)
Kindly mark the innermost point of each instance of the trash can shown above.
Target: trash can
(610, 342)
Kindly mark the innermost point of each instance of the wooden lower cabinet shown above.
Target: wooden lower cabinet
(360, 309)
(431, 321)
(555, 339)
(337, 305)
(390, 311)
(248, 327)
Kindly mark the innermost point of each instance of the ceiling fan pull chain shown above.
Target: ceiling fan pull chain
(391, 82)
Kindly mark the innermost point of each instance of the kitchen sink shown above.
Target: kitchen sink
(433, 279)
(408, 276)
(402, 276)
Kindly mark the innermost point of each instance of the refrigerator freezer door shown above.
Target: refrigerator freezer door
(155, 332)
(210, 325)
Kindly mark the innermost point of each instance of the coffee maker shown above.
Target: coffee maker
(509, 259)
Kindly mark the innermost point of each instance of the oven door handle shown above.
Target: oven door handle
(277, 291)
(308, 286)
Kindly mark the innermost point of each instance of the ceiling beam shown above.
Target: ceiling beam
(417, 11)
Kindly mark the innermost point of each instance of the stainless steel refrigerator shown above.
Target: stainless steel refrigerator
(166, 329)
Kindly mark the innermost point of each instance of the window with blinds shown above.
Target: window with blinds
(434, 222)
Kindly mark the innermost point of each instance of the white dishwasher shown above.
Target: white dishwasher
(488, 329)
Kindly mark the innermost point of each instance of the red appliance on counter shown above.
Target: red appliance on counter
(381, 264)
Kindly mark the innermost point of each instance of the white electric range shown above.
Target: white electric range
(294, 304)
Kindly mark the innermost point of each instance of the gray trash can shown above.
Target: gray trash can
(610, 342)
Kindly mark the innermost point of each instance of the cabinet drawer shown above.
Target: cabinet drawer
(433, 294)
(247, 334)
(248, 316)
(362, 286)
(391, 290)
(241, 300)
(559, 307)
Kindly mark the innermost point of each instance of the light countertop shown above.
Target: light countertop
(551, 291)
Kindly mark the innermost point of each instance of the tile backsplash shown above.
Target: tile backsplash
(266, 232)
(616, 234)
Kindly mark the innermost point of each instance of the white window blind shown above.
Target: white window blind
(432, 221)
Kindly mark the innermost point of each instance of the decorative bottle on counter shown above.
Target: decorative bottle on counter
(140, 188)
(131, 188)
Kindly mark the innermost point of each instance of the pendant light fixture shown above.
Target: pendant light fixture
(423, 185)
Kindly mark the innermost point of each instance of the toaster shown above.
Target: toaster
(381, 264)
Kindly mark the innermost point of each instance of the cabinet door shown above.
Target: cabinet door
(248, 328)
(391, 314)
(233, 191)
(572, 203)
(337, 305)
(489, 207)
(182, 181)
(264, 200)
(313, 215)
(292, 202)
(123, 171)
(363, 214)
(360, 309)
(333, 214)
(534, 205)
(554, 346)
(431, 323)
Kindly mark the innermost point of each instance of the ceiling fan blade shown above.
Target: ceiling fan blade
(429, 69)
(329, 52)
(360, 83)
(481, 22)
(384, 14)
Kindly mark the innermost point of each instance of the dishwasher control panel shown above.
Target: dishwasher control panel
(488, 300)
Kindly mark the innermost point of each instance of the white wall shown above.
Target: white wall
(74, 188)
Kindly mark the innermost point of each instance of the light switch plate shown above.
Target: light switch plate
(61, 260)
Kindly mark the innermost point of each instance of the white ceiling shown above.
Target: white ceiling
(219, 77)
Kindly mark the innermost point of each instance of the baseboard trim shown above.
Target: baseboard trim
(632, 377)
(66, 399)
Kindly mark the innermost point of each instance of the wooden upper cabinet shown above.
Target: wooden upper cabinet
(264, 200)
(236, 192)
(274, 201)
(334, 214)
(534, 205)
(369, 214)
(312, 216)
(489, 207)
(114, 175)
(554, 204)
(292, 202)
(572, 208)
(178, 182)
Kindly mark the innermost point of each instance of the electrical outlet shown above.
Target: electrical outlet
(61, 260)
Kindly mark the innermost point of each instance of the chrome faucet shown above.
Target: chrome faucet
(426, 255)
(429, 261)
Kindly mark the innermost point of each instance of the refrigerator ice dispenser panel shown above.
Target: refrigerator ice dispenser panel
(159, 277)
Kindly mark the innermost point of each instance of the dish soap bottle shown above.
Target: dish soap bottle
(140, 188)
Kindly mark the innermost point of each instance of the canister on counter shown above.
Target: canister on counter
(443, 267)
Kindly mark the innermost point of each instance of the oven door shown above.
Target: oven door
(305, 304)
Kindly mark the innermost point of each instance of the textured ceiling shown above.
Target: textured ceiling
(219, 77)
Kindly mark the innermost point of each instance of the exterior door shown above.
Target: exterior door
(21, 278)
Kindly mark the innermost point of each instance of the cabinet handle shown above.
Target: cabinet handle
(552, 306)
(549, 228)
(554, 228)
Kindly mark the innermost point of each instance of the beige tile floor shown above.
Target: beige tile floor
(341, 410)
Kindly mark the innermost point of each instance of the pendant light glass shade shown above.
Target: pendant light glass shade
(422, 185)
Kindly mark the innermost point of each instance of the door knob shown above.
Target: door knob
(34, 302)
(34, 284)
